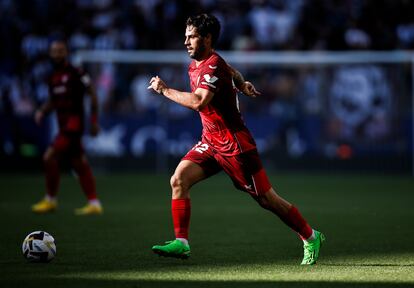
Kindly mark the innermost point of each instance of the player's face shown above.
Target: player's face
(196, 44)
(58, 52)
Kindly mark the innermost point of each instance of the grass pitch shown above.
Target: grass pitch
(368, 222)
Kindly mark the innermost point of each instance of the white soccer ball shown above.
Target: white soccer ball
(39, 246)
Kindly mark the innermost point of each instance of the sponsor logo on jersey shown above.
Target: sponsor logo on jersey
(209, 80)
(208, 84)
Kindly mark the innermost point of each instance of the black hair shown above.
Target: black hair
(206, 24)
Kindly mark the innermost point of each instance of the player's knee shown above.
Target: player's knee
(177, 185)
(176, 181)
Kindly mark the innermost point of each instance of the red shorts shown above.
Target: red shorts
(245, 170)
(68, 144)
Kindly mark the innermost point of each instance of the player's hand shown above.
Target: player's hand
(157, 84)
(38, 117)
(94, 129)
(249, 90)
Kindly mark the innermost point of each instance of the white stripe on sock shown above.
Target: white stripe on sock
(311, 238)
(183, 240)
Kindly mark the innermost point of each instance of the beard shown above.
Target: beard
(197, 53)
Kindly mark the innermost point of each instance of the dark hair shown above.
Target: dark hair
(206, 24)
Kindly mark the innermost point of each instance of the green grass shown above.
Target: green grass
(368, 221)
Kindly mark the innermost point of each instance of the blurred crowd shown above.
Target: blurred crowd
(28, 26)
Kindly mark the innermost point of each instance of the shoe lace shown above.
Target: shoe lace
(309, 252)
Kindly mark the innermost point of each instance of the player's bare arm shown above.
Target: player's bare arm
(244, 86)
(40, 113)
(94, 128)
(196, 101)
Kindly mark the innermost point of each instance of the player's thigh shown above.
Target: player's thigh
(68, 145)
(247, 172)
(196, 165)
(187, 174)
(61, 143)
(203, 155)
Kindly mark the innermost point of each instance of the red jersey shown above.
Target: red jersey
(67, 87)
(223, 127)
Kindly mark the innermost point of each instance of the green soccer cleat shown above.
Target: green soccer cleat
(311, 249)
(175, 248)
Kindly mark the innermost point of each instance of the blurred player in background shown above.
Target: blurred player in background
(226, 143)
(67, 87)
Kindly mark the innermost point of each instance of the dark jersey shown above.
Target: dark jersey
(67, 87)
(223, 126)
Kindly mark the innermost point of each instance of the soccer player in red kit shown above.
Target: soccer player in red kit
(226, 144)
(67, 87)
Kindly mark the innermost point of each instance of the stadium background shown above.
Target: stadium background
(343, 116)
(333, 124)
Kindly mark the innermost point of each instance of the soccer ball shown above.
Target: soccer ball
(39, 246)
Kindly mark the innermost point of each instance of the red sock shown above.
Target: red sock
(52, 177)
(86, 180)
(181, 212)
(295, 221)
